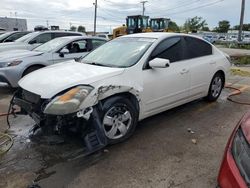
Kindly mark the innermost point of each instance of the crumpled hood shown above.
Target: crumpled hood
(17, 54)
(12, 46)
(49, 81)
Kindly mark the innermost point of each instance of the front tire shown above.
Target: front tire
(215, 88)
(119, 118)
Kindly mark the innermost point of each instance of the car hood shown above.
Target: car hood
(49, 81)
(17, 54)
(12, 45)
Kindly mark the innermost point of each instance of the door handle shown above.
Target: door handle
(183, 71)
(212, 63)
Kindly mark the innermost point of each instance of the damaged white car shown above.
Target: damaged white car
(122, 82)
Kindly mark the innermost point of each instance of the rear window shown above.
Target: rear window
(196, 48)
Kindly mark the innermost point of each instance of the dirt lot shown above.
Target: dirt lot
(160, 154)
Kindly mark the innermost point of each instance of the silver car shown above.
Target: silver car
(32, 40)
(17, 63)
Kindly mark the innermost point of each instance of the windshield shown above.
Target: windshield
(121, 52)
(4, 35)
(51, 45)
(26, 37)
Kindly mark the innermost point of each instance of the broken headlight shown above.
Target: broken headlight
(68, 102)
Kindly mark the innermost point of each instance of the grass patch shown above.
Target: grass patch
(241, 60)
(239, 72)
(234, 45)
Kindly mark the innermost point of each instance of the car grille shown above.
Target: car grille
(241, 154)
(30, 97)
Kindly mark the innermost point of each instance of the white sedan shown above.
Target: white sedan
(122, 82)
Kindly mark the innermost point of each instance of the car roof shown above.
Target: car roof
(159, 35)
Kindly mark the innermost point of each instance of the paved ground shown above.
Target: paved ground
(160, 154)
(235, 52)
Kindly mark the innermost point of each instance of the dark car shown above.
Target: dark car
(235, 167)
(12, 36)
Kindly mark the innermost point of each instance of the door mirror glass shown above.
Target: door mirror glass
(159, 63)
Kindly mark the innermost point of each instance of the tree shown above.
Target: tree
(205, 28)
(223, 27)
(246, 27)
(172, 26)
(72, 28)
(194, 24)
(81, 29)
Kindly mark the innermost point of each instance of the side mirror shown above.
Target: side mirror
(159, 63)
(63, 51)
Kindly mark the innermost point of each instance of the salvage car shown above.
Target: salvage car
(32, 40)
(235, 167)
(122, 82)
(15, 64)
(12, 36)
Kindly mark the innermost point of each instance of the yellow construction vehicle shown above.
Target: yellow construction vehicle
(159, 24)
(135, 24)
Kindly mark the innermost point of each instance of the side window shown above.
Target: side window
(96, 43)
(169, 49)
(73, 34)
(77, 46)
(45, 37)
(14, 37)
(196, 48)
(56, 35)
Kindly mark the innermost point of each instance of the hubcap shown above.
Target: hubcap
(117, 122)
(216, 87)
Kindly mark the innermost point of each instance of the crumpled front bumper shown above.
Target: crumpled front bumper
(33, 105)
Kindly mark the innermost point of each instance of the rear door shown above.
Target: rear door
(198, 55)
(40, 39)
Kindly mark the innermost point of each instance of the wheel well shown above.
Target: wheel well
(36, 65)
(129, 96)
(223, 76)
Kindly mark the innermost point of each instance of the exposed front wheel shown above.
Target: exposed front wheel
(215, 88)
(119, 119)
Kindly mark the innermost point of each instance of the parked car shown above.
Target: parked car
(122, 82)
(12, 36)
(106, 36)
(235, 167)
(32, 40)
(246, 38)
(15, 64)
(210, 38)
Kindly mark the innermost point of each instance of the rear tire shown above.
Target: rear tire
(119, 119)
(31, 69)
(215, 87)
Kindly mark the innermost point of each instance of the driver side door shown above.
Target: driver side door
(76, 49)
(165, 88)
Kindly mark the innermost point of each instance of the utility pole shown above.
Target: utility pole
(95, 16)
(143, 7)
(241, 20)
(47, 22)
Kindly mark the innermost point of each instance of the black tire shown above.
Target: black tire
(31, 69)
(212, 94)
(116, 103)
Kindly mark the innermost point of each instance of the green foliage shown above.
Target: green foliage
(81, 29)
(246, 27)
(195, 24)
(223, 27)
(172, 26)
(245, 60)
(72, 28)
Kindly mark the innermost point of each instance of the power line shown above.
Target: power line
(194, 8)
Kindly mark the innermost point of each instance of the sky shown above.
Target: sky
(112, 13)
